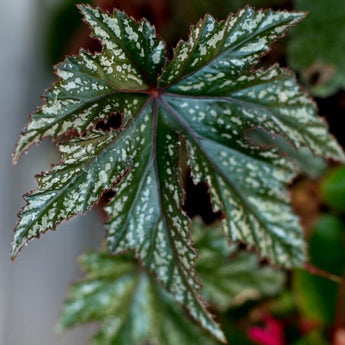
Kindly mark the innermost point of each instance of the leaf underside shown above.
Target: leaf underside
(205, 97)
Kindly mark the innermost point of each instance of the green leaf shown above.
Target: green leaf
(327, 245)
(92, 86)
(317, 46)
(61, 30)
(333, 188)
(206, 96)
(217, 7)
(146, 215)
(314, 337)
(132, 307)
(185, 12)
(231, 276)
(306, 163)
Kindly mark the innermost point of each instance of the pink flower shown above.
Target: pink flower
(271, 334)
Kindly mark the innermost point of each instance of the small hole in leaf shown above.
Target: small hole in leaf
(264, 262)
(242, 246)
(114, 122)
(314, 78)
(198, 202)
(105, 198)
(108, 195)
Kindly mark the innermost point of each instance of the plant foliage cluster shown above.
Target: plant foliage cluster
(190, 112)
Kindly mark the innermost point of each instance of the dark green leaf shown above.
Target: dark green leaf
(231, 276)
(317, 46)
(333, 188)
(206, 96)
(317, 296)
(63, 25)
(313, 338)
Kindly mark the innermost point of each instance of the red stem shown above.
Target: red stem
(319, 272)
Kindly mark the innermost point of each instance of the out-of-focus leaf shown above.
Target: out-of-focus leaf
(317, 46)
(327, 244)
(123, 296)
(182, 13)
(231, 276)
(313, 338)
(333, 188)
(317, 296)
(284, 304)
(194, 9)
(63, 26)
(132, 307)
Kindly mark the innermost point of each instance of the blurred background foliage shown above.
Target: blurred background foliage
(308, 306)
(317, 46)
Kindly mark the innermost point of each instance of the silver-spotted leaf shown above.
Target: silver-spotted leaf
(305, 162)
(93, 85)
(132, 308)
(206, 96)
(139, 164)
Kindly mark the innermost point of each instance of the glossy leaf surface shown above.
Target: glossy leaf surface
(205, 97)
(332, 188)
